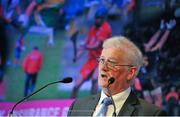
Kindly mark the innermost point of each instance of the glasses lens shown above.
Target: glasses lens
(111, 64)
(108, 64)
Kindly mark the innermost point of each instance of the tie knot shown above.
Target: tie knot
(107, 101)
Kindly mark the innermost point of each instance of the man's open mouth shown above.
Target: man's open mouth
(103, 76)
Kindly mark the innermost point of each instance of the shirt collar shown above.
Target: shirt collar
(117, 97)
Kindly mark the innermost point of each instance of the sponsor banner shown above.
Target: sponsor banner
(37, 108)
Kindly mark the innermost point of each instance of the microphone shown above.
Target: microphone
(111, 81)
(65, 80)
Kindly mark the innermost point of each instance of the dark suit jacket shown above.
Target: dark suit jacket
(133, 106)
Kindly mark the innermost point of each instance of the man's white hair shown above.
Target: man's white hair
(132, 53)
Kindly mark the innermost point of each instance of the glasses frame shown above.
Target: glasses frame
(99, 60)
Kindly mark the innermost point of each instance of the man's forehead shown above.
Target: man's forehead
(115, 53)
(112, 49)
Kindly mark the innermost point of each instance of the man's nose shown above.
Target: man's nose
(105, 66)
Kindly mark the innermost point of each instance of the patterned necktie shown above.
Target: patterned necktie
(103, 107)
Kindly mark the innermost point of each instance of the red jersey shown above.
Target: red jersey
(98, 34)
(32, 62)
(172, 94)
(95, 34)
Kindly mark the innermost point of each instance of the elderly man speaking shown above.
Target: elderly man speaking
(119, 63)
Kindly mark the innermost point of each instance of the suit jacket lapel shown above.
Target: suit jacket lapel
(129, 106)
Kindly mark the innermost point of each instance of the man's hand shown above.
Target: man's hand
(155, 48)
(146, 47)
(171, 24)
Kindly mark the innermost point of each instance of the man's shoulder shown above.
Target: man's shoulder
(83, 106)
(150, 108)
(142, 107)
(86, 99)
(147, 104)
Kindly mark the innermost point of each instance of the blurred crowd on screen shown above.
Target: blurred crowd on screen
(151, 24)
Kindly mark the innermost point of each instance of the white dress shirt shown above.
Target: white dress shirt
(119, 100)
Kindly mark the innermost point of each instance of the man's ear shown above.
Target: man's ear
(132, 73)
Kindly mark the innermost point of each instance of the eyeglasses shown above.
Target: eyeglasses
(111, 64)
